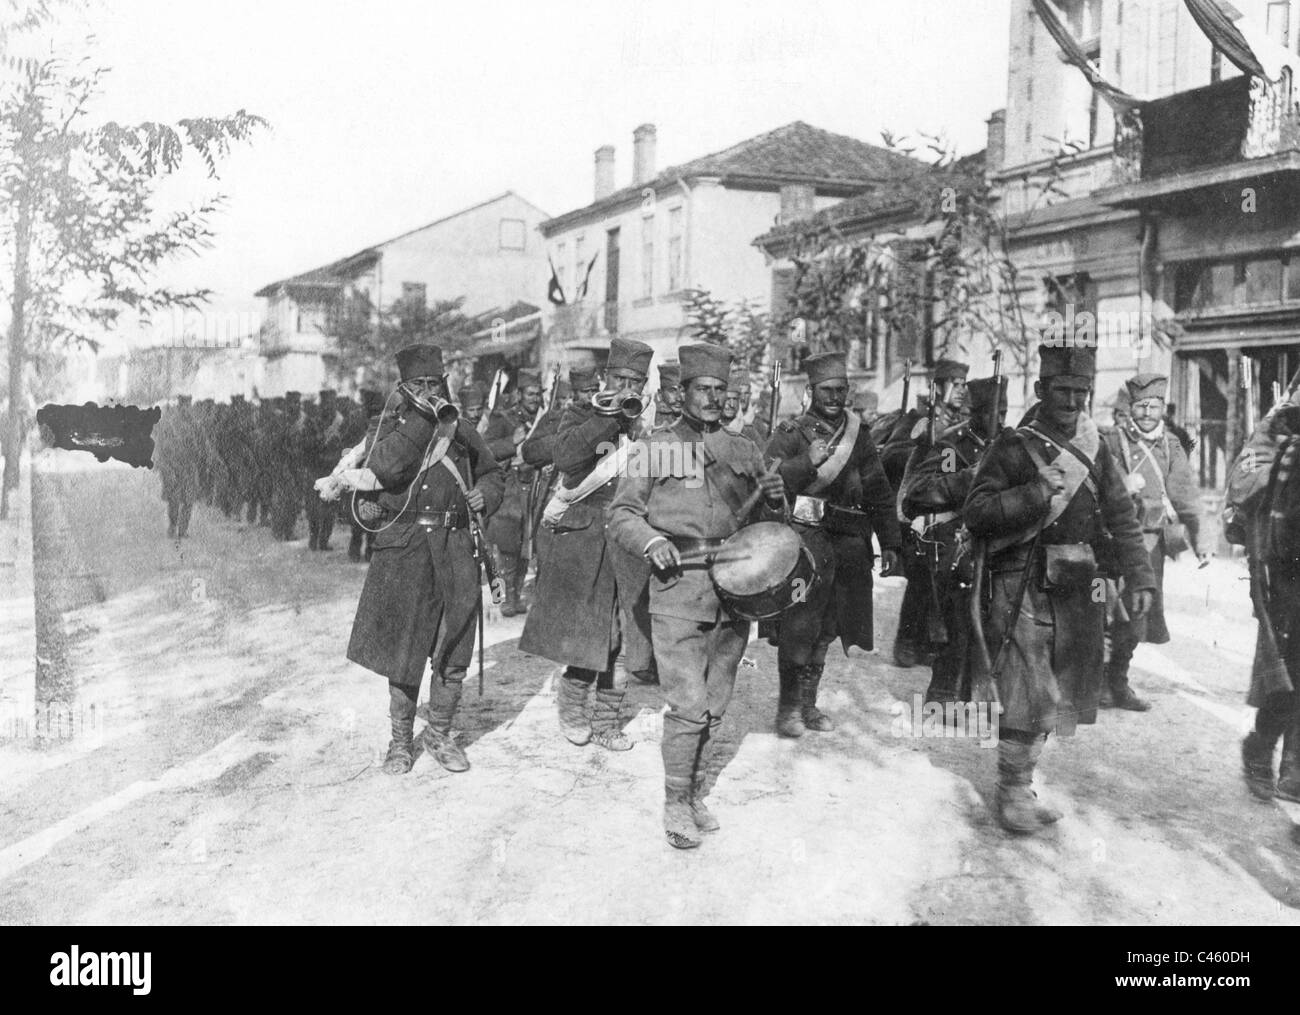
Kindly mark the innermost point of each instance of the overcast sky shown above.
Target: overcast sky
(391, 113)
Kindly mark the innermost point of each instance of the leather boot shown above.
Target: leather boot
(703, 817)
(510, 578)
(1257, 765)
(810, 679)
(680, 748)
(1046, 813)
(789, 707)
(444, 697)
(906, 654)
(401, 714)
(1017, 806)
(1288, 776)
(571, 703)
(606, 726)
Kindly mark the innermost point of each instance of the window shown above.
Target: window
(675, 239)
(513, 234)
(1084, 18)
(415, 294)
(647, 256)
(1255, 281)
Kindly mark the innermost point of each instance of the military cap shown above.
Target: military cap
(528, 379)
(829, 366)
(1074, 360)
(980, 392)
(629, 354)
(1122, 399)
(739, 378)
(419, 361)
(292, 397)
(236, 399)
(582, 377)
(1147, 386)
(950, 370)
(327, 395)
(704, 360)
(184, 399)
(473, 393)
(670, 375)
(372, 402)
(866, 400)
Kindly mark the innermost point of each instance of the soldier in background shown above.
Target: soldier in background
(1184, 438)
(506, 431)
(668, 398)
(1158, 477)
(912, 642)
(934, 495)
(833, 474)
(1050, 504)
(285, 469)
(866, 403)
(321, 447)
(576, 619)
(538, 451)
(264, 452)
(362, 507)
(737, 404)
(178, 454)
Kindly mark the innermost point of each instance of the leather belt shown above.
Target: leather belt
(441, 520)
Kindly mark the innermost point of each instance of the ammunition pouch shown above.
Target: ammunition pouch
(1068, 567)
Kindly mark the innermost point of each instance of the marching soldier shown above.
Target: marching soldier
(697, 643)
(737, 404)
(866, 403)
(668, 399)
(833, 474)
(506, 431)
(1051, 504)
(284, 466)
(1119, 406)
(178, 464)
(912, 642)
(538, 451)
(365, 427)
(1262, 513)
(421, 596)
(576, 618)
(938, 483)
(1156, 473)
(321, 446)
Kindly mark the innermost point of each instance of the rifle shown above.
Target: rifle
(996, 408)
(775, 399)
(534, 491)
(907, 382)
(1248, 383)
(494, 395)
(936, 630)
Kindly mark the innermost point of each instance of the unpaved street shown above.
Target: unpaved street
(216, 760)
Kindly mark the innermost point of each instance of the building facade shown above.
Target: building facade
(625, 263)
(489, 254)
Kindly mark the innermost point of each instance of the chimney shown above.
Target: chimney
(996, 155)
(796, 201)
(604, 171)
(643, 153)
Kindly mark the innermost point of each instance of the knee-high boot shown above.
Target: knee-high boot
(571, 703)
(444, 698)
(789, 706)
(401, 714)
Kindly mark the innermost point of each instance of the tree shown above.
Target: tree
(741, 327)
(942, 257)
(369, 341)
(81, 238)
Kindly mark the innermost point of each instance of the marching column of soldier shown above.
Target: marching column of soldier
(1004, 534)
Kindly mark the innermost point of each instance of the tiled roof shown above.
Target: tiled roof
(795, 153)
(884, 206)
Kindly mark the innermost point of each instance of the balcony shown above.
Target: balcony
(1240, 129)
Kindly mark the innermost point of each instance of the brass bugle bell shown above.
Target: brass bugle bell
(618, 403)
(439, 408)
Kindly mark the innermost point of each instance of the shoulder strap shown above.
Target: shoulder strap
(830, 470)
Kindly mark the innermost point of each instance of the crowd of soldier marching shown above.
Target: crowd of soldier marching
(1023, 523)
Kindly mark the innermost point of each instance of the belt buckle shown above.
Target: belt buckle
(809, 510)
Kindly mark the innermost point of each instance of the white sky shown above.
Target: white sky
(390, 113)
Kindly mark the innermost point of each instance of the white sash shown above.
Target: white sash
(830, 470)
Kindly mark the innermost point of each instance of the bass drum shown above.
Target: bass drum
(763, 570)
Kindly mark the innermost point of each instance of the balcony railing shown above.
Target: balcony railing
(1227, 122)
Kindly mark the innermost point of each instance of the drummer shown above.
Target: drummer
(833, 474)
(697, 644)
